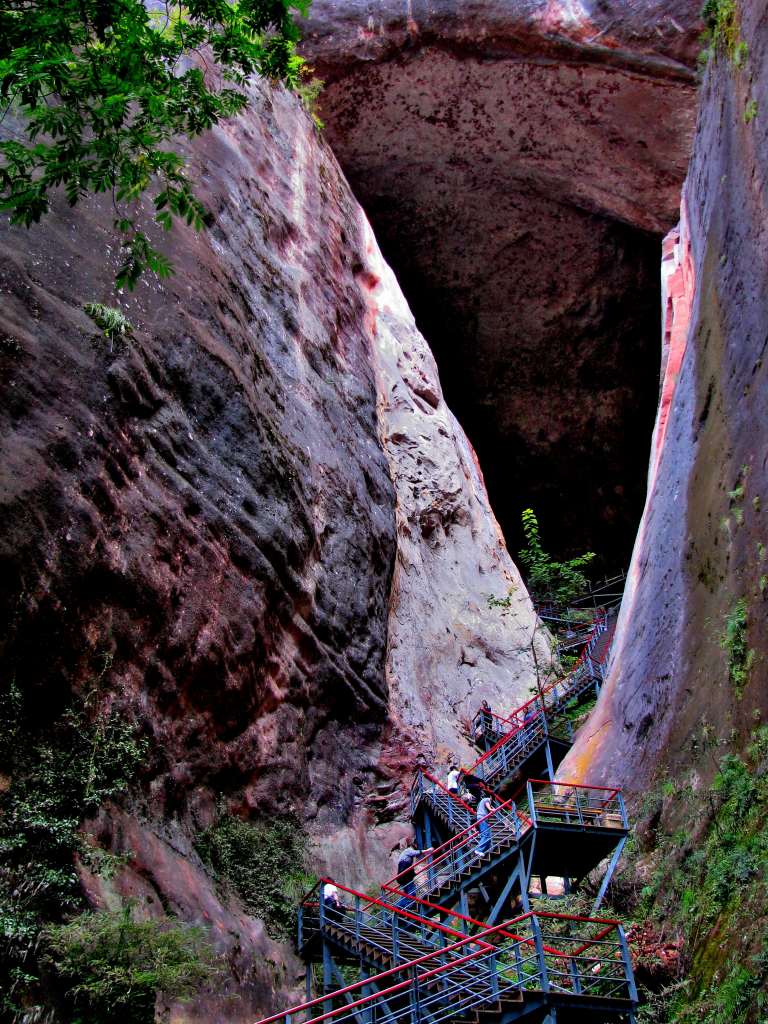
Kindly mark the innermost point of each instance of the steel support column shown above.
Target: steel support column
(515, 876)
(609, 873)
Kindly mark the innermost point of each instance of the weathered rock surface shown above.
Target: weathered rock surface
(451, 556)
(701, 545)
(519, 163)
(204, 520)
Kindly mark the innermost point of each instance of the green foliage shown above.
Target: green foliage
(714, 891)
(722, 32)
(548, 580)
(733, 641)
(750, 113)
(503, 602)
(308, 90)
(264, 863)
(104, 88)
(56, 778)
(113, 323)
(113, 967)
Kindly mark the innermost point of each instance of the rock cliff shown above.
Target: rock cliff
(253, 522)
(519, 163)
(701, 545)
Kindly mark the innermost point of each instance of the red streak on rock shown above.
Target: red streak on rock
(679, 286)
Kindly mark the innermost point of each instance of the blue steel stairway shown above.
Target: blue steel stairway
(590, 822)
(535, 968)
(422, 959)
(535, 737)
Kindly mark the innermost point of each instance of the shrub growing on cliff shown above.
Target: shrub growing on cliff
(714, 894)
(104, 88)
(548, 580)
(733, 641)
(113, 967)
(52, 781)
(722, 31)
(264, 863)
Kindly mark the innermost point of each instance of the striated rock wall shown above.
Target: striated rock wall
(519, 163)
(253, 522)
(702, 541)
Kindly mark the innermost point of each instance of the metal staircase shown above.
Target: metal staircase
(419, 955)
(537, 734)
(535, 968)
(589, 821)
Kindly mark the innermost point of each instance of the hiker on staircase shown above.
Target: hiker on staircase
(452, 781)
(406, 873)
(483, 721)
(484, 808)
(331, 899)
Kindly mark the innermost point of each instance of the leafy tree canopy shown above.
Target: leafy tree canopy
(103, 88)
(113, 966)
(548, 580)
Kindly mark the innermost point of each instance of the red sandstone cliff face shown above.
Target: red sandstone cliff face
(208, 518)
(519, 163)
(701, 544)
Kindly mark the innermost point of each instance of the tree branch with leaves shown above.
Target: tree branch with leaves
(105, 88)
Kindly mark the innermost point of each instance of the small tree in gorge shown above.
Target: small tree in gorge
(548, 580)
(104, 86)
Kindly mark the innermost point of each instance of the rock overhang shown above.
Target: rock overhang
(520, 163)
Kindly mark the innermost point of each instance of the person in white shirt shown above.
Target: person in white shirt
(331, 898)
(452, 784)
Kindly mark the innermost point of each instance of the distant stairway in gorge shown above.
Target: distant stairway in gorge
(417, 955)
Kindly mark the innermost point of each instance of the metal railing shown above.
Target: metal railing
(384, 926)
(454, 811)
(444, 867)
(577, 805)
(529, 724)
(554, 955)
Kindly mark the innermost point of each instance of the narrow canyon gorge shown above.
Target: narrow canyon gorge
(259, 546)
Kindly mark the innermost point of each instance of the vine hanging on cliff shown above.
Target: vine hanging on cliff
(103, 87)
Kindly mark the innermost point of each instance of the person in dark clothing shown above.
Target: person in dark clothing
(406, 872)
(332, 900)
(484, 722)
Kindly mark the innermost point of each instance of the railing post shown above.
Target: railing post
(543, 973)
(623, 810)
(300, 927)
(494, 977)
(531, 804)
(519, 965)
(395, 939)
(414, 1000)
(627, 961)
(357, 918)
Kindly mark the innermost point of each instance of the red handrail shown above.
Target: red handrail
(388, 906)
(496, 929)
(436, 906)
(453, 796)
(432, 857)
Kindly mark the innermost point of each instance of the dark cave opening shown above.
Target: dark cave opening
(521, 201)
(553, 374)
